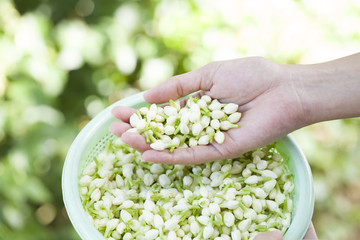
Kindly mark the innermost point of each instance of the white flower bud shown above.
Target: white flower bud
(244, 225)
(219, 137)
(140, 173)
(143, 111)
(216, 166)
(171, 120)
(175, 141)
(250, 214)
(127, 236)
(107, 201)
(171, 236)
(226, 125)
(95, 196)
(180, 233)
(216, 182)
(208, 231)
(289, 204)
(196, 129)
(215, 105)
(158, 145)
(209, 131)
(148, 179)
(247, 200)
(172, 223)
(261, 165)
(235, 117)
(273, 206)
(184, 129)
(256, 205)
(204, 220)
(169, 130)
(201, 103)
(238, 213)
(279, 199)
(253, 179)
(205, 211)
(127, 204)
(90, 169)
(164, 180)
(140, 124)
(246, 172)
(269, 185)
(159, 119)
(151, 114)
(287, 186)
(229, 219)
(203, 191)
(125, 216)
(128, 170)
(166, 139)
(194, 117)
(187, 180)
(193, 142)
(84, 190)
(85, 180)
(170, 111)
(204, 140)
(215, 124)
(230, 204)
(230, 108)
(151, 234)
(147, 216)
(194, 228)
(206, 98)
(214, 208)
(158, 221)
(217, 114)
(120, 227)
(134, 119)
(112, 224)
(260, 193)
(273, 193)
(236, 235)
(268, 173)
(149, 205)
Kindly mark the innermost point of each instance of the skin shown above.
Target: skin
(274, 100)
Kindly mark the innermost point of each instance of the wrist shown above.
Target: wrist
(326, 91)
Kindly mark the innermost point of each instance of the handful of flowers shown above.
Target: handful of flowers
(199, 122)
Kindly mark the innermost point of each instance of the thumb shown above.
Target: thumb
(182, 85)
(274, 235)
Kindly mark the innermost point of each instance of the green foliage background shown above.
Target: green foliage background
(61, 62)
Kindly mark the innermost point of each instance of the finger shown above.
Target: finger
(136, 141)
(311, 234)
(123, 113)
(118, 128)
(274, 235)
(182, 85)
(188, 156)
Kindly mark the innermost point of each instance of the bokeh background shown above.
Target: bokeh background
(61, 62)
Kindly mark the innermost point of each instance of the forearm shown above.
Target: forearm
(328, 90)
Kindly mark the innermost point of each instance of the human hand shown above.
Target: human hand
(277, 235)
(268, 103)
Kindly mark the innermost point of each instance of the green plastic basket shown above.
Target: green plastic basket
(93, 137)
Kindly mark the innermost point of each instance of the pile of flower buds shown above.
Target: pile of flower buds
(126, 198)
(199, 122)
